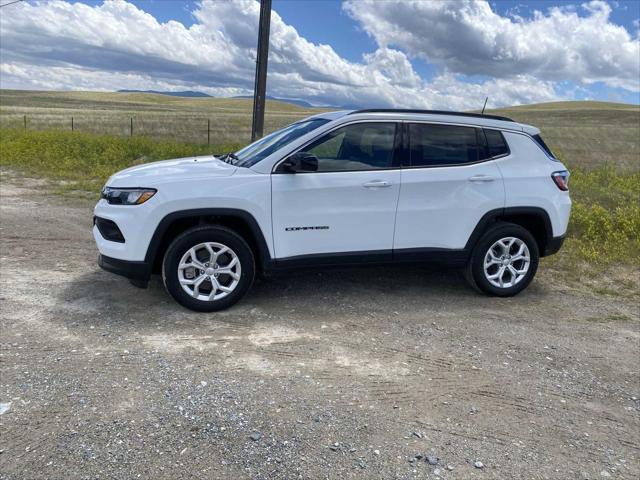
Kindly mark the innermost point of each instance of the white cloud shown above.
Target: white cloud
(61, 45)
(468, 37)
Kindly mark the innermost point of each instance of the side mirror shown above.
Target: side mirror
(300, 162)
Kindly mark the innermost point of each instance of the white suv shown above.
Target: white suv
(350, 187)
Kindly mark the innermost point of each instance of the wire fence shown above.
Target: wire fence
(228, 127)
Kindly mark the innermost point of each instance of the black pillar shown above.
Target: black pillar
(260, 88)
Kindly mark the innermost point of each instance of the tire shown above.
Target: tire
(222, 256)
(514, 252)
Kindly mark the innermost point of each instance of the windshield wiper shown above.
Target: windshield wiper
(229, 158)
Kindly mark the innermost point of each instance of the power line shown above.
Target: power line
(11, 3)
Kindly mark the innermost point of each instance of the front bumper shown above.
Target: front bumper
(138, 272)
(553, 245)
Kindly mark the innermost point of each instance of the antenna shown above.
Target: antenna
(485, 105)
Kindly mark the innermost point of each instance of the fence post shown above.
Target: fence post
(25, 122)
(208, 131)
(131, 127)
(72, 124)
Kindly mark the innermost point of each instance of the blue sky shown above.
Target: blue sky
(434, 54)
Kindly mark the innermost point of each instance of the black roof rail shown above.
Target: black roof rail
(431, 112)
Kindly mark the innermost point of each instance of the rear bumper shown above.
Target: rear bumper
(138, 272)
(553, 245)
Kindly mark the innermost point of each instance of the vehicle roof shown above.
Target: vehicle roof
(466, 118)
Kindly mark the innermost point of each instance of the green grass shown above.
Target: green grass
(84, 161)
(604, 228)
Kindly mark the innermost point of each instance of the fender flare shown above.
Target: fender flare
(492, 215)
(254, 226)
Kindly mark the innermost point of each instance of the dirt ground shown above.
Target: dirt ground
(337, 374)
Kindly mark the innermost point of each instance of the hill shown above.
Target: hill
(186, 93)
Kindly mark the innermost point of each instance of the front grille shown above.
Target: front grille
(108, 229)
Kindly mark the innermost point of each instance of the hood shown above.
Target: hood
(150, 174)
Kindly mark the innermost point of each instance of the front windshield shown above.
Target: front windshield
(256, 151)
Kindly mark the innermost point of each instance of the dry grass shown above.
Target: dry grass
(586, 134)
(156, 116)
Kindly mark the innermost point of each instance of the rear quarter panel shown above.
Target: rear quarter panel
(528, 183)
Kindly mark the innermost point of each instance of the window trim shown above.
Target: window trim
(407, 163)
(396, 160)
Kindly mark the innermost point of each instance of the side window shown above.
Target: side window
(362, 146)
(496, 144)
(544, 146)
(432, 145)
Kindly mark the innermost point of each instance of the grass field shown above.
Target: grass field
(600, 142)
(163, 117)
(586, 134)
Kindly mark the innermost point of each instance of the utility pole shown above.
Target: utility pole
(259, 92)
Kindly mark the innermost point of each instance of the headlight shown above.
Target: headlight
(127, 196)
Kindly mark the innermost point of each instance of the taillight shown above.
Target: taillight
(561, 179)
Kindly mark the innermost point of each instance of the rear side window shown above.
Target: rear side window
(544, 146)
(496, 144)
(436, 145)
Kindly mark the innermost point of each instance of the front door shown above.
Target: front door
(348, 206)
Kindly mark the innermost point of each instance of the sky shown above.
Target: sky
(439, 54)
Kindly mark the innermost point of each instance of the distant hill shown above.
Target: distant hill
(192, 94)
(186, 93)
(300, 103)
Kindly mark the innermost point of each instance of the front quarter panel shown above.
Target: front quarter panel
(246, 190)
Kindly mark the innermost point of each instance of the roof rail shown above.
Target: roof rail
(431, 112)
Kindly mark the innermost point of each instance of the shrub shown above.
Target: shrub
(86, 160)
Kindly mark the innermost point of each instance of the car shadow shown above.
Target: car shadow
(96, 302)
(99, 291)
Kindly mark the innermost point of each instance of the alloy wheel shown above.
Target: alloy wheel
(507, 262)
(209, 271)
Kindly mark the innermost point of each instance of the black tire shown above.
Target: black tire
(475, 269)
(197, 235)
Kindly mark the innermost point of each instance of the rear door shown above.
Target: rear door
(449, 182)
(349, 204)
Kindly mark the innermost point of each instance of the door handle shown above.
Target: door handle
(376, 184)
(481, 178)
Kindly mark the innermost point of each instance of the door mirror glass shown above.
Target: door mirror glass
(300, 162)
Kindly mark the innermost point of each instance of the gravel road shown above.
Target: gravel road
(390, 373)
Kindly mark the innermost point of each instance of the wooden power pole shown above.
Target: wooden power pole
(259, 92)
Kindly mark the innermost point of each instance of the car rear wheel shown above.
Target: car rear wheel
(208, 268)
(504, 261)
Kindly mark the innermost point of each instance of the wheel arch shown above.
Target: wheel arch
(535, 219)
(240, 221)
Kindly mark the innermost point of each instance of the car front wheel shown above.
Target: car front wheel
(208, 268)
(504, 261)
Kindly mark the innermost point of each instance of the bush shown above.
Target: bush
(605, 218)
(86, 160)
